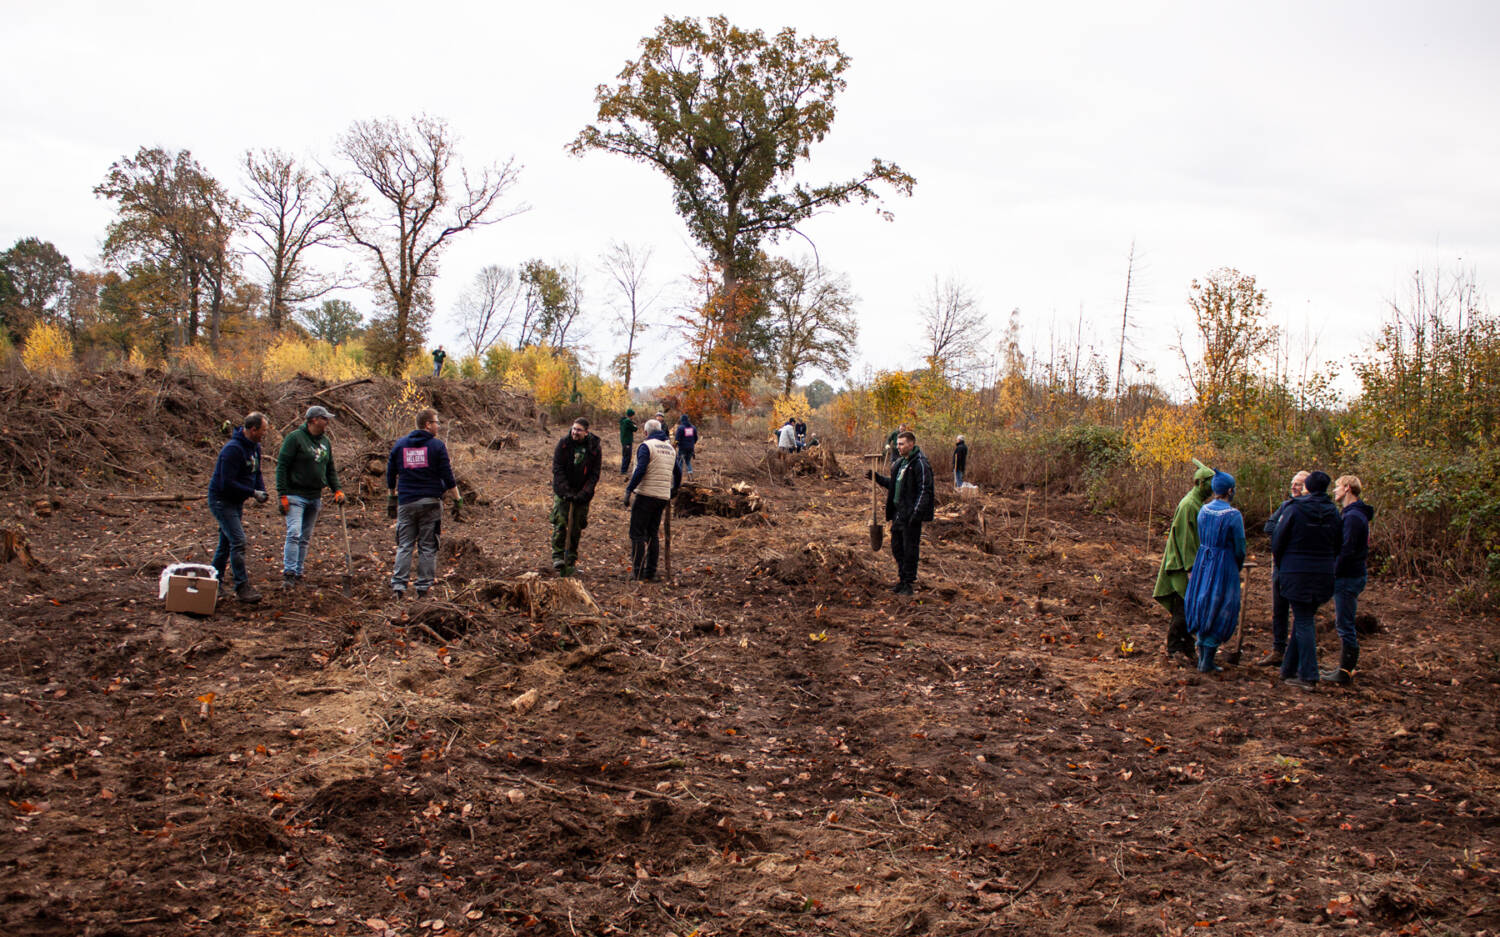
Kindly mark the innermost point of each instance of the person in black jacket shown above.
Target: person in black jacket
(960, 461)
(908, 503)
(1349, 574)
(575, 474)
(1306, 548)
(1280, 608)
(237, 477)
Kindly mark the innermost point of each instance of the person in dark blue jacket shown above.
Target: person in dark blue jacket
(687, 440)
(1349, 574)
(237, 477)
(1281, 610)
(575, 475)
(908, 503)
(1306, 548)
(417, 474)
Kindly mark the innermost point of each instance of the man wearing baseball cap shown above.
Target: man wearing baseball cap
(304, 466)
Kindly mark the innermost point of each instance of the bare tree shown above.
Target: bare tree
(423, 199)
(291, 211)
(811, 321)
(954, 327)
(625, 265)
(488, 307)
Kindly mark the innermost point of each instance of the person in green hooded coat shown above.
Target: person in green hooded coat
(1177, 562)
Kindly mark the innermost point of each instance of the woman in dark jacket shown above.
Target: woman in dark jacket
(1306, 548)
(1349, 575)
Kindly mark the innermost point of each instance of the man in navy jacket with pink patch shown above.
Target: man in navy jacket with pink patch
(417, 474)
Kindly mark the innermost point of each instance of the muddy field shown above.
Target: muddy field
(772, 743)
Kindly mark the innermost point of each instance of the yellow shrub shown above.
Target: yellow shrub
(289, 356)
(199, 358)
(138, 361)
(1168, 436)
(48, 350)
(401, 413)
(792, 406)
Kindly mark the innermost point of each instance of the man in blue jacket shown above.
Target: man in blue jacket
(237, 477)
(908, 502)
(687, 441)
(1349, 574)
(417, 473)
(1306, 548)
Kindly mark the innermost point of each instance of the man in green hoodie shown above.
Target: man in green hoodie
(1177, 562)
(627, 440)
(304, 466)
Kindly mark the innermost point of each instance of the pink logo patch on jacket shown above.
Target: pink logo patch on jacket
(414, 458)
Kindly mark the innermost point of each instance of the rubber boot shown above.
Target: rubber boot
(1344, 675)
(1206, 659)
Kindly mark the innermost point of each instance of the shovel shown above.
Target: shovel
(877, 529)
(347, 583)
(1234, 655)
(667, 534)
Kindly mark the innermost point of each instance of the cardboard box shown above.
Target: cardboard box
(195, 595)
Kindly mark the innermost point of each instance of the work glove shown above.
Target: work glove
(285, 505)
(869, 474)
(261, 497)
(338, 497)
(390, 506)
(458, 501)
(627, 499)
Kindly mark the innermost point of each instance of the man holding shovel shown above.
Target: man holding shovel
(575, 474)
(304, 466)
(417, 474)
(657, 476)
(908, 503)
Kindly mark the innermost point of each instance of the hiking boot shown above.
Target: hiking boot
(398, 594)
(1206, 660)
(904, 589)
(568, 572)
(1272, 659)
(1300, 683)
(421, 593)
(246, 593)
(288, 582)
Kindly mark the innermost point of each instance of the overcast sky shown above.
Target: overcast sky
(1329, 149)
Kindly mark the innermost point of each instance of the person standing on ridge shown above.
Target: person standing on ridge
(960, 461)
(438, 357)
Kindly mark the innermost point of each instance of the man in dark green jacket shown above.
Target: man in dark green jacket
(304, 466)
(627, 440)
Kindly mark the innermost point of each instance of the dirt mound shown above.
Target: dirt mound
(738, 500)
(827, 564)
(153, 428)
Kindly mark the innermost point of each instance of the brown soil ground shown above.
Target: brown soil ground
(772, 743)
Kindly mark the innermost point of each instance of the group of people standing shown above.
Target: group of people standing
(1319, 547)
(418, 474)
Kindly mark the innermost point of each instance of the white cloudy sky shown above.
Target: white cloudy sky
(1328, 148)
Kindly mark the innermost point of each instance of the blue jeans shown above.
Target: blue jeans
(417, 525)
(1301, 658)
(958, 478)
(231, 551)
(301, 517)
(1345, 605)
(687, 461)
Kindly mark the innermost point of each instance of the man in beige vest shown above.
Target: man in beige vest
(657, 476)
